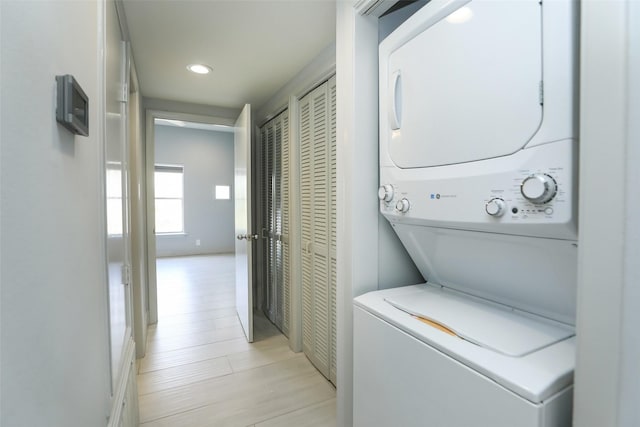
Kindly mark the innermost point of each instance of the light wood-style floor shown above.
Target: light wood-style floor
(199, 369)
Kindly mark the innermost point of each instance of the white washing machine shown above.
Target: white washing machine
(478, 175)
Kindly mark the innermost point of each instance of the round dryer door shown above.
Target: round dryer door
(466, 88)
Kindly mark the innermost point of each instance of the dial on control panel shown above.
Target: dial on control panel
(539, 188)
(495, 207)
(385, 192)
(403, 206)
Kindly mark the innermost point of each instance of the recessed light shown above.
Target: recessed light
(460, 16)
(199, 68)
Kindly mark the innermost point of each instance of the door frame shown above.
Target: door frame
(150, 140)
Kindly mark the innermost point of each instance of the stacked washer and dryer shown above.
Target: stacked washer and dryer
(478, 171)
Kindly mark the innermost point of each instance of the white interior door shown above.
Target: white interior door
(243, 226)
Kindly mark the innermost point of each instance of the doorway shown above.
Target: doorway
(193, 204)
(192, 163)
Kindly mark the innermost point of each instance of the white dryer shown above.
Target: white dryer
(478, 175)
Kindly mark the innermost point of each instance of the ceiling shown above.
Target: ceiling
(254, 46)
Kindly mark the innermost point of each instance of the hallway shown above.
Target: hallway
(200, 371)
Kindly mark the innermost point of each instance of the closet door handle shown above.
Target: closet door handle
(247, 237)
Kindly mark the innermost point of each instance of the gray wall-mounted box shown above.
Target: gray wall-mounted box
(72, 105)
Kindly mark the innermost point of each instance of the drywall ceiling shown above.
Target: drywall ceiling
(254, 46)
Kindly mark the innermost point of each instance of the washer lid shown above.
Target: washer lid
(467, 87)
(493, 326)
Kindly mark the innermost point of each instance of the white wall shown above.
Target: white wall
(55, 347)
(207, 157)
(320, 69)
(363, 234)
(357, 180)
(607, 377)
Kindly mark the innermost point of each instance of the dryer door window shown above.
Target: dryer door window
(466, 88)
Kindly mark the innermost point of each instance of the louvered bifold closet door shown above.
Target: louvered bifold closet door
(332, 227)
(269, 226)
(306, 224)
(277, 305)
(264, 218)
(286, 282)
(275, 185)
(315, 185)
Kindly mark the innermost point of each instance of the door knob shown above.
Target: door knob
(247, 237)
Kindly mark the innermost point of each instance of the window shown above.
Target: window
(114, 199)
(169, 195)
(223, 192)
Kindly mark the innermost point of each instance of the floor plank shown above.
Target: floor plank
(199, 369)
(209, 336)
(241, 398)
(180, 375)
(318, 415)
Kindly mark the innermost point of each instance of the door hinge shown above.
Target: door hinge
(541, 92)
(126, 274)
(124, 96)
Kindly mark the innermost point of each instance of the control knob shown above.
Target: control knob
(539, 188)
(403, 206)
(495, 207)
(385, 192)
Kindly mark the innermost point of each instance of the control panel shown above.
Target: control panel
(488, 195)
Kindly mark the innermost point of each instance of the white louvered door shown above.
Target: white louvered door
(284, 186)
(317, 188)
(277, 305)
(333, 198)
(264, 217)
(271, 284)
(275, 217)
